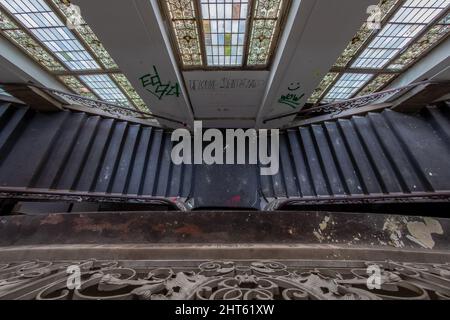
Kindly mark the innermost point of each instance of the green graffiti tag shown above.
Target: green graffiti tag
(153, 84)
(292, 99)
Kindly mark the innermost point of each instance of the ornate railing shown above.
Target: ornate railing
(107, 107)
(338, 107)
(73, 101)
(264, 280)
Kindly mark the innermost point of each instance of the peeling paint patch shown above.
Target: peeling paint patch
(421, 232)
(393, 227)
(323, 225)
(319, 236)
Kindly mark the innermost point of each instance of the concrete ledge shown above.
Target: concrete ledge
(201, 252)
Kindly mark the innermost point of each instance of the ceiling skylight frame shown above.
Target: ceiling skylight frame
(200, 34)
(387, 73)
(71, 78)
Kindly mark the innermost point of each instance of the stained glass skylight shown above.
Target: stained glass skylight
(406, 24)
(185, 26)
(43, 23)
(347, 85)
(264, 30)
(75, 56)
(225, 33)
(409, 29)
(105, 88)
(224, 27)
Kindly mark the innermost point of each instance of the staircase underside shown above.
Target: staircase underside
(381, 157)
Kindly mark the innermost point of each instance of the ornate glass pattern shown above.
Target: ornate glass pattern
(346, 86)
(73, 83)
(224, 28)
(26, 43)
(324, 84)
(34, 49)
(433, 35)
(376, 84)
(362, 35)
(105, 88)
(409, 32)
(5, 22)
(399, 32)
(185, 26)
(48, 22)
(126, 86)
(355, 44)
(87, 35)
(264, 28)
(39, 19)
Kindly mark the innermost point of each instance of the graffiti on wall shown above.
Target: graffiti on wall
(293, 97)
(153, 84)
(225, 83)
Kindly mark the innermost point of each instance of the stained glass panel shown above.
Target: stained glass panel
(126, 86)
(376, 84)
(45, 25)
(224, 28)
(73, 83)
(11, 31)
(398, 33)
(264, 28)
(51, 23)
(363, 34)
(432, 36)
(105, 88)
(86, 34)
(185, 27)
(346, 86)
(324, 84)
(408, 30)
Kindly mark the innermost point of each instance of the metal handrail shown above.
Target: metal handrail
(85, 101)
(350, 103)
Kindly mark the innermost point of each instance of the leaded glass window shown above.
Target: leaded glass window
(224, 27)
(410, 28)
(74, 55)
(225, 33)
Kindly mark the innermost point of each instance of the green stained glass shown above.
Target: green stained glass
(433, 35)
(12, 32)
(264, 29)
(6, 23)
(33, 49)
(267, 9)
(323, 86)
(377, 83)
(73, 83)
(126, 86)
(185, 26)
(261, 40)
